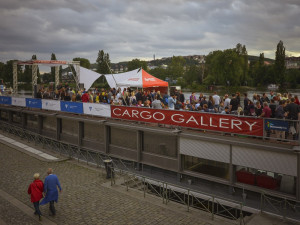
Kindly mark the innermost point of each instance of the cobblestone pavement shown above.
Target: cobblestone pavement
(11, 215)
(84, 200)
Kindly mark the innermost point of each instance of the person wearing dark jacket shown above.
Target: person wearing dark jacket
(35, 190)
(293, 112)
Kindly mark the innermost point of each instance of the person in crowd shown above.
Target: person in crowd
(181, 97)
(159, 97)
(280, 114)
(217, 99)
(201, 96)
(266, 111)
(85, 97)
(203, 101)
(132, 99)
(172, 102)
(258, 109)
(297, 100)
(225, 111)
(211, 102)
(234, 103)
(226, 101)
(67, 97)
(273, 107)
(50, 189)
(193, 97)
(35, 190)
(166, 99)
(156, 104)
(238, 97)
(293, 113)
(246, 100)
(265, 98)
(251, 108)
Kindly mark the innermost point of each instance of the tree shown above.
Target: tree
(103, 63)
(136, 63)
(280, 63)
(83, 62)
(176, 67)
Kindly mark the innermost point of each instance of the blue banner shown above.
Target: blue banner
(5, 100)
(34, 103)
(281, 125)
(73, 107)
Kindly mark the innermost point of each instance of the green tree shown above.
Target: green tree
(83, 62)
(193, 74)
(159, 72)
(280, 63)
(103, 63)
(176, 67)
(224, 67)
(136, 63)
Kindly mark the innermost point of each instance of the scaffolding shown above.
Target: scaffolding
(52, 63)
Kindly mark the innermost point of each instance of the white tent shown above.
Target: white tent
(88, 77)
(114, 80)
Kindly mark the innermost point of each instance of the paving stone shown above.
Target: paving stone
(84, 199)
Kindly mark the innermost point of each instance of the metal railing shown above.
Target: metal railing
(285, 208)
(215, 206)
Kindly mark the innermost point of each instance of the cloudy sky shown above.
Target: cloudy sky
(128, 29)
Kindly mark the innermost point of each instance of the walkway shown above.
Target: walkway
(86, 198)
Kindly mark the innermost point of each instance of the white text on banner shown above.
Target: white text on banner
(51, 105)
(18, 101)
(97, 109)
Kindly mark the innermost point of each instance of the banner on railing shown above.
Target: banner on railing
(34, 103)
(5, 100)
(18, 101)
(281, 125)
(97, 109)
(207, 121)
(51, 104)
(73, 107)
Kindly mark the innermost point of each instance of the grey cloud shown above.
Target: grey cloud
(133, 28)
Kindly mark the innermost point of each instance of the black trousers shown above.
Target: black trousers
(52, 208)
(37, 208)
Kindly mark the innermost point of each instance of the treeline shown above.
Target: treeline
(230, 67)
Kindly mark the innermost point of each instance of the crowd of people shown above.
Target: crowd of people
(268, 105)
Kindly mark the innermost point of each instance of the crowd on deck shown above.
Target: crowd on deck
(268, 105)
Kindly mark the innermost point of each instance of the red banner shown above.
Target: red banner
(207, 121)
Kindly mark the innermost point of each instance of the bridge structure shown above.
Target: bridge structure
(52, 63)
(243, 166)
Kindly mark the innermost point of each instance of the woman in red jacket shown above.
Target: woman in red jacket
(35, 189)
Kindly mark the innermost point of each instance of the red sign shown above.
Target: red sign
(207, 121)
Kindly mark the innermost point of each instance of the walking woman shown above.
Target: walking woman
(35, 189)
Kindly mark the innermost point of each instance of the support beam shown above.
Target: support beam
(58, 128)
(34, 79)
(15, 77)
(106, 138)
(40, 124)
(298, 177)
(139, 141)
(80, 132)
(56, 76)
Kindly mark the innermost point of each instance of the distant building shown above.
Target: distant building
(292, 62)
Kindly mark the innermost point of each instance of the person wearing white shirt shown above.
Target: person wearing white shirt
(217, 99)
(227, 101)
